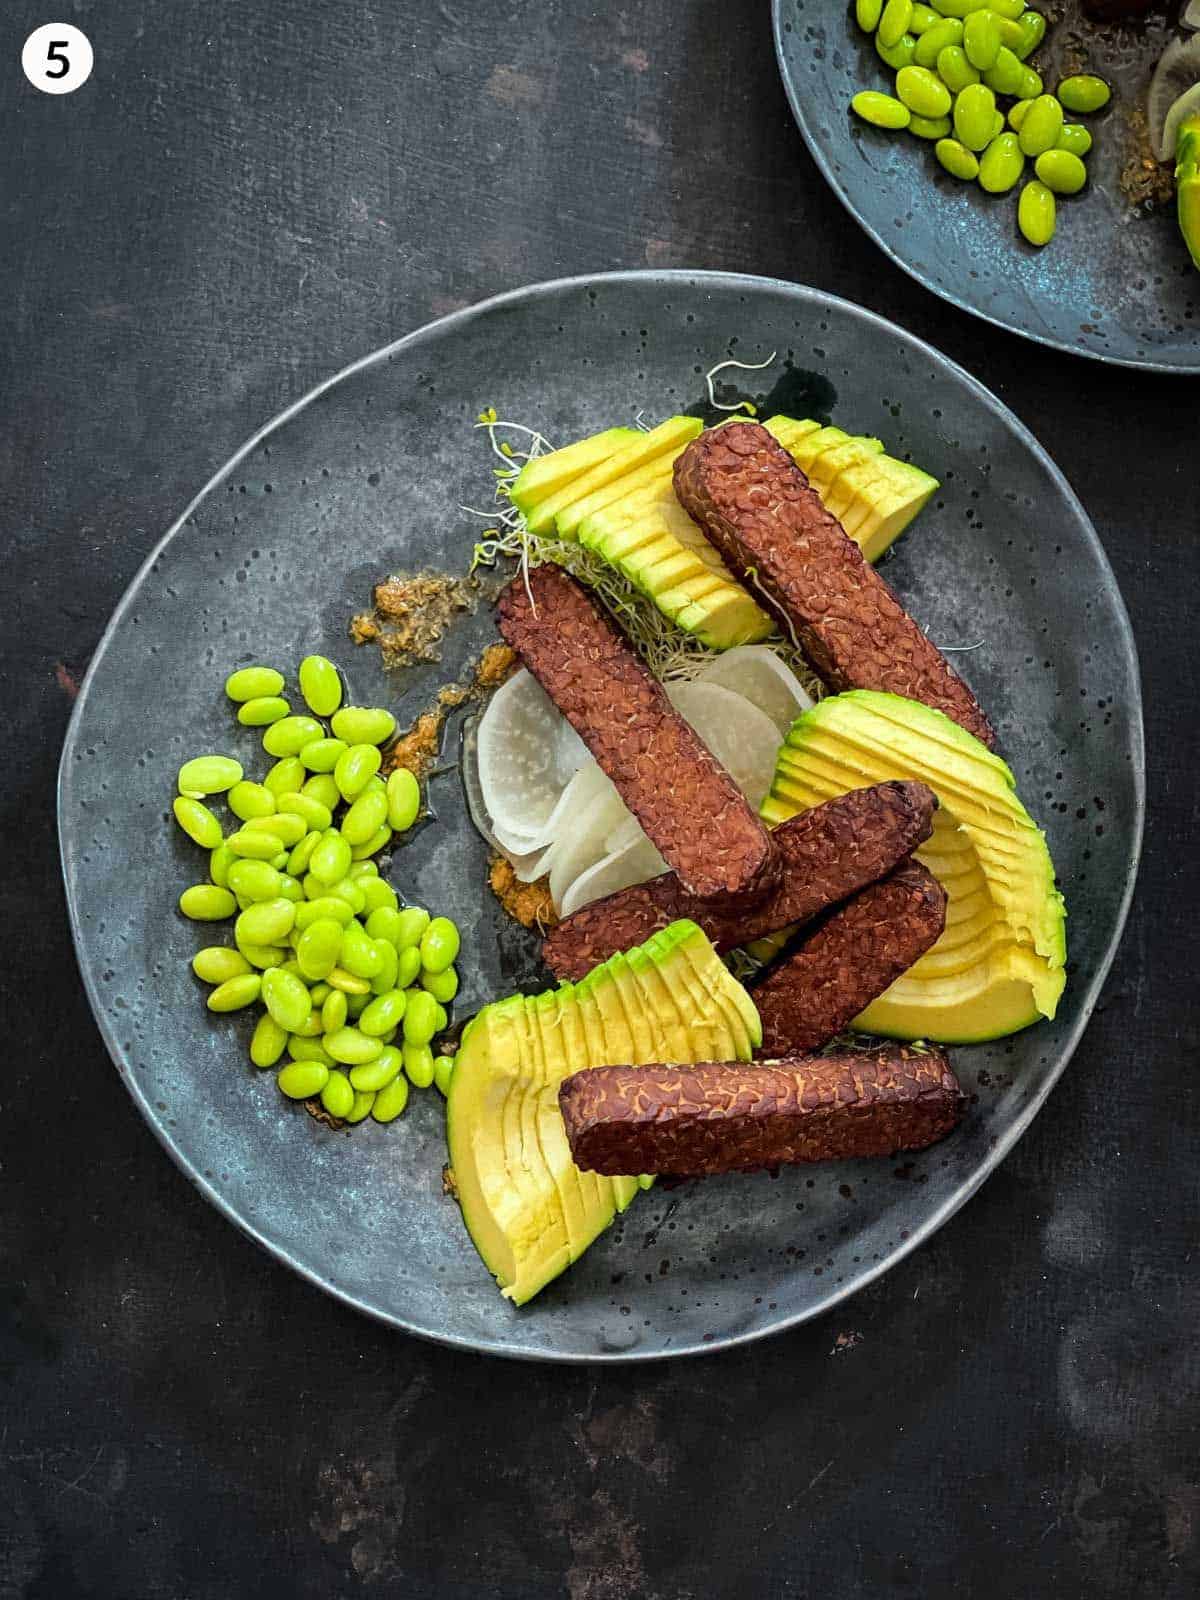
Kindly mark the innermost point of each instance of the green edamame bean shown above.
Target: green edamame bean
(356, 766)
(1081, 93)
(261, 713)
(333, 1011)
(285, 827)
(298, 861)
(318, 948)
(894, 21)
(929, 127)
(997, 125)
(408, 966)
(1010, 34)
(251, 683)
(403, 790)
(356, 1004)
(1060, 171)
(197, 821)
(344, 889)
(301, 1048)
(958, 161)
(235, 993)
(350, 984)
(311, 812)
(384, 922)
(291, 888)
(217, 963)
(371, 1076)
(286, 998)
(263, 955)
(1018, 113)
(897, 55)
(389, 966)
(207, 902)
(338, 1095)
(324, 906)
(255, 880)
(373, 845)
(320, 685)
(351, 1047)
(443, 986)
(285, 776)
(364, 817)
(378, 895)
(413, 922)
(208, 775)
(321, 787)
(1041, 126)
(268, 922)
(1007, 74)
(1036, 213)
(420, 1017)
(418, 1064)
(361, 870)
(867, 14)
(923, 18)
(1031, 85)
(300, 1080)
(440, 945)
(318, 992)
(359, 954)
(974, 110)
(981, 39)
(330, 861)
(959, 8)
(267, 1042)
(289, 735)
(249, 801)
(1010, 9)
(443, 1071)
(383, 1013)
(1001, 164)
(253, 842)
(1033, 30)
(219, 862)
(923, 92)
(321, 755)
(930, 45)
(390, 1101)
(362, 1107)
(363, 724)
(1075, 138)
(955, 71)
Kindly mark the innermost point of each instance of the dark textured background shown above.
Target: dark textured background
(242, 199)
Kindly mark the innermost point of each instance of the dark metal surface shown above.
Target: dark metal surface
(242, 200)
(1116, 282)
(386, 455)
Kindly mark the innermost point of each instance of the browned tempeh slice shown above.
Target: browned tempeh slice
(693, 1121)
(676, 788)
(757, 508)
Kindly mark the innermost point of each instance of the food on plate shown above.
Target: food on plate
(528, 1207)
(829, 977)
(723, 1116)
(633, 462)
(689, 806)
(1173, 114)
(954, 62)
(320, 938)
(825, 854)
(756, 506)
(1000, 964)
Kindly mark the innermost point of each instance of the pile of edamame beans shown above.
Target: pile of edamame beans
(954, 61)
(354, 986)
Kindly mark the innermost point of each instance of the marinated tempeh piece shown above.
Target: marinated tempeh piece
(770, 528)
(686, 801)
(694, 1121)
(824, 855)
(822, 983)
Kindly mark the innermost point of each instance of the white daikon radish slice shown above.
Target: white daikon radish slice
(517, 744)
(744, 739)
(634, 864)
(756, 673)
(570, 752)
(581, 842)
(628, 831)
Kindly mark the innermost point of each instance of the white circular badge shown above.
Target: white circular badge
(57, 58)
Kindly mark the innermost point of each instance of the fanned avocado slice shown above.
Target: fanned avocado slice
(1000, 964)
(546, 475)
(614, 476)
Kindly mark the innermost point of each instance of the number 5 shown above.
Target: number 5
(56, 56)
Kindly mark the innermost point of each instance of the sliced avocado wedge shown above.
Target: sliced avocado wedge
(1000, 964)
(528, 1208)
(546, 475)
(563, 510)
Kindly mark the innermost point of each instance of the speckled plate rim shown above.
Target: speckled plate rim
(1145, 364)
(696, 281)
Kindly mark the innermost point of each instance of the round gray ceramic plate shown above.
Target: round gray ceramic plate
(365, 477)
(1115, 284)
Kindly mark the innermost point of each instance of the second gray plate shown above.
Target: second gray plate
(366, 477)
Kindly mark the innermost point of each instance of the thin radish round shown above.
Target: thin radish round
(634, 864)
(744, 739)
(517, 745)
(760, 676)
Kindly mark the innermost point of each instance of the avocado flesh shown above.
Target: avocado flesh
(546, 475)
(529, 1209)
(612, 477)
(999, 965)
